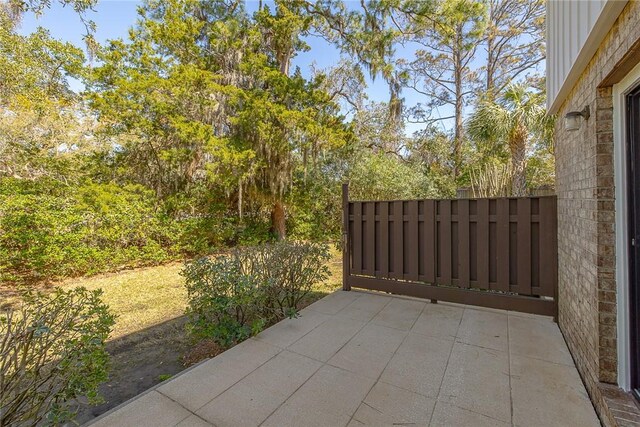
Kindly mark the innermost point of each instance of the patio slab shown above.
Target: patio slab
(363, 358)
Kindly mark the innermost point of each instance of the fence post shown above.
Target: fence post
(345, 237)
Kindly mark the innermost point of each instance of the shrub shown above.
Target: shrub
(53, 231)
(286, 272)
(224, 302)
(233, 296)
(381, 177)
(52, 351)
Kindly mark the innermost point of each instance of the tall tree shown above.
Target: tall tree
(369, 35)
(202, 92)
(443, 70)
(42, 122)
(518, 119)
(514, 41)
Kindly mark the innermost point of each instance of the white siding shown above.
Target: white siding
(575, 29)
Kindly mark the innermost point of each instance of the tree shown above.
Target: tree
(203, 93)
(369, 36)
(52, 351)
(442, 70)
(514, 41)
(42, 122)
(518, 120)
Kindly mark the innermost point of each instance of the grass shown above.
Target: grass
(144, 297)
(140, 298)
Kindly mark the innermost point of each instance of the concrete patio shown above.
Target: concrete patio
(358, 358)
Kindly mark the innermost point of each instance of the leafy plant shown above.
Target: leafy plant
(224, 302)
(518, 120)
(234, 296)
(492, 180)
(286, 273)
(52, 231)
(52, 351)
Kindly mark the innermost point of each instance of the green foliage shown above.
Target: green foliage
(52, 351)
(50, 231)
(212, 101)
(517, 122)
(197, 132)
(381, 177)
(224, 301)
(42, 125)
(234, 296)
(285, 273)
(315, 205)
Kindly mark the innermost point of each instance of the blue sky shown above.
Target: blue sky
(113, 19)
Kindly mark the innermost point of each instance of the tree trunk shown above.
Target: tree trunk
(490, 52)
(278, 226)
(518, 148)
(459, 123)
(240, 199)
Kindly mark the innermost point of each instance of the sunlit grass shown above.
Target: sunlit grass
(148, 296)
(140, 298)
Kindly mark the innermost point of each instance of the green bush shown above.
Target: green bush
(381, 177)
(224, 302)
(52, 351)
(234, 296)
(315, 208)
(285, 272)
(52, 231)
(49, 230)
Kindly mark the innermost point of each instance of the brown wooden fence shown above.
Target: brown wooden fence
(499, 253)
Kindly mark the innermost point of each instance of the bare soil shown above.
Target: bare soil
(139, 361)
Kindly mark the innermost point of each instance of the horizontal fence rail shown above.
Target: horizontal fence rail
(499, 252)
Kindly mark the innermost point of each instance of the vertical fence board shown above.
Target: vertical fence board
(346, 258)
(429, 243)
(357, 237)
(398, 234)
(554, 249)
(524, 246)
(371, 237)
(502, 249)
(445, 242)
(482, 251)
(412, 241)
(384, 239)
(463, 243)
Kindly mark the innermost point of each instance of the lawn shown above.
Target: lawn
(149, 342)
(144, 297)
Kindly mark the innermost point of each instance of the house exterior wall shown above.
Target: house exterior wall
(577, 28)
(579, 17)
(586, 213)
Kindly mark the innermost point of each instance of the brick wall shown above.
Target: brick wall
(586, 223)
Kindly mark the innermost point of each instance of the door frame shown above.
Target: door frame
(623, 324)
(634, 223)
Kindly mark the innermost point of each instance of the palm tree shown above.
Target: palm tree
(519, 120)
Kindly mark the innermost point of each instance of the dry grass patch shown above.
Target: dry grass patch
(149, 296)
(140, 298)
